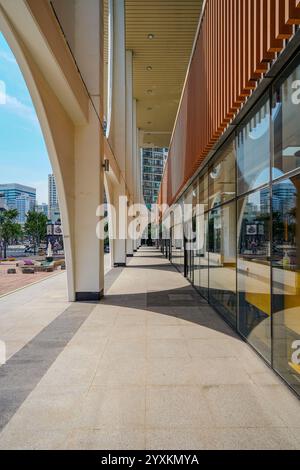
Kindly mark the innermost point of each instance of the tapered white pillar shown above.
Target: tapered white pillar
(120, 225)
(117, 134)
(89, 194)
(129, 144)
(88, 152)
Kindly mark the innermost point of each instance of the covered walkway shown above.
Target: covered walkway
(150, 366)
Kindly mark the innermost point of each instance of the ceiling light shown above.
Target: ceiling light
(149, 92)
(149, 68)
(150, 36)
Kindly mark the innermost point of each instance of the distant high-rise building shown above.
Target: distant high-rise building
(53, 205)
(42, 208)
(153, 162)
(18, 196)
(24, 204)
(3, 205)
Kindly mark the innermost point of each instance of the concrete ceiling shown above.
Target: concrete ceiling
(160, 61)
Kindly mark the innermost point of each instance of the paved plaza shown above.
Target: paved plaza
(12, 282)
(151, 366)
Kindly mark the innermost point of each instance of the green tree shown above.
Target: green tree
(9, 228)
(36, 227)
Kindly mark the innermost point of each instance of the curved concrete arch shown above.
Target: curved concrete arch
(58, 135)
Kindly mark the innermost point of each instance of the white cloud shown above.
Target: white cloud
(7, 57)
(2, 93)
(20, 109)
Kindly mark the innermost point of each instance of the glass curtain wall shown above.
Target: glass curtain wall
(245, 224)
(253, 268)
(177, 242)
(253, 229)
(222, 233)
(286, 226)
(201, 265)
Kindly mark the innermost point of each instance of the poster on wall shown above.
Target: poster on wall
(57, 230)
(251, 229)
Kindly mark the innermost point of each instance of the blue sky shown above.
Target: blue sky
(23, 155)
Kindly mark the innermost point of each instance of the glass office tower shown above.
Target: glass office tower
(245, 228)
(153, 162)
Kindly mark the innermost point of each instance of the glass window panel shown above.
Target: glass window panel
(286, 122)
(201, 254)
(203, 191)
(286, 279)
(177, 247)
(253, 150)
(222, 260)
(253, 270)
(222, 177)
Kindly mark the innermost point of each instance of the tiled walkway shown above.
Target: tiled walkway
(151, 366)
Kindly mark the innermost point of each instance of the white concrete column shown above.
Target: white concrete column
(129, 144)
(89, 185)
(89, 193)
(134, 161)
(129, 123)
(117, 135)
(140, 137)
(120, 225)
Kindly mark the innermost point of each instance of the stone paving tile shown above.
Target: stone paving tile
(241, 406)
(115, 407)
(135, 376)
(211, 348)
(170, 371)
(47, 439)
(177, 407)
(192, 438)
(119, 371)
(106, 439)
(24, 370)
(156, 348)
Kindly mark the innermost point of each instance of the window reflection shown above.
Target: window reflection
(202, 254)
(253, 270)
(222, 177)
(222, 260)
(286, 279)
(232, 259)
(203, 191)
(285, 113)
(177, 247)
(253, 150)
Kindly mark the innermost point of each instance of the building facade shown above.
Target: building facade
(42, 208)
(24, 204)
(3, 205)
(217, 84)
(20, 197)
(53, 205)
(153, 162)
(240, 245)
